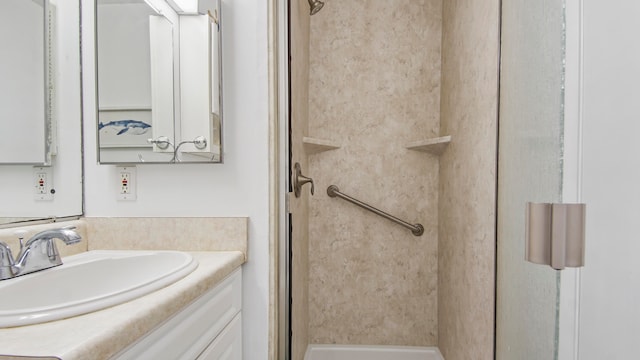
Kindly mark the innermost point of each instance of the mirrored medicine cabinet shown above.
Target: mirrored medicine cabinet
(40, 111)
(159, 82)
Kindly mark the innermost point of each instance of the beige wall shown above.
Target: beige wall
(468, 179)
(374, 87)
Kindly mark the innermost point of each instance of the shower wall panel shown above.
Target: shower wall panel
(374, 87)
(468, 179)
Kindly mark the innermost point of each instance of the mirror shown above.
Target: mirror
(158, 76)
(50, 102)
(24, 108)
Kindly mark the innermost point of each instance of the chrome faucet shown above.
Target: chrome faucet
(6, 261)
(39, 253)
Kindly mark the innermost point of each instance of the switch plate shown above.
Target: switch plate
(126, 182)
(43, 183)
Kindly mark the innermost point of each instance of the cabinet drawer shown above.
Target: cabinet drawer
(187, 334)
(228, 345)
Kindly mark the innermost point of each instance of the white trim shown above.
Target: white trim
(283, 179)
(274, 176)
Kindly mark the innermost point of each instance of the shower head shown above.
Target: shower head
(315, 5)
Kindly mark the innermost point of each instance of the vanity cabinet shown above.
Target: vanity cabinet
(228, 345)
(208, 328)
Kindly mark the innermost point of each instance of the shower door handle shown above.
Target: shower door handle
(299, 180)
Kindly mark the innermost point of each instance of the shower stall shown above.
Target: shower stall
(395, 103)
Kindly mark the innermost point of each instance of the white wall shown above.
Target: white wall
(239, 187)
(610, 287)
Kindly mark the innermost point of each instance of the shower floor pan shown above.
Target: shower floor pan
(364, 352)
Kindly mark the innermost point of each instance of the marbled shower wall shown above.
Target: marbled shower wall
(467, 196)
(374, 87)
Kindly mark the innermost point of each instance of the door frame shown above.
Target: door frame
(278, 50)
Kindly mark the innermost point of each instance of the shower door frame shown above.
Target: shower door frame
(280, 317)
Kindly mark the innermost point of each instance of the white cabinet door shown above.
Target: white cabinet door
(228, 345)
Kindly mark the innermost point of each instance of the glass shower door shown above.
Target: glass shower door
(529, 170)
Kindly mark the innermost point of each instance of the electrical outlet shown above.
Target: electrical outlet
(43, 183)
(126, 182)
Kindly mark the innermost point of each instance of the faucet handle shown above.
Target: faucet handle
(20, 234)
(6, 258)
(6, 262)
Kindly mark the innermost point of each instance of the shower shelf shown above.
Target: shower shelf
(433, 146)
(314, 146)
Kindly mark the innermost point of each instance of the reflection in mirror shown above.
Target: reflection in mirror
(135, 81)
(156, 103)
(40, 56)
(24, 110)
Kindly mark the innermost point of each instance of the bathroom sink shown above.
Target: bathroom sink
(88, 282)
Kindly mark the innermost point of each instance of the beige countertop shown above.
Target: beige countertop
(101, 334)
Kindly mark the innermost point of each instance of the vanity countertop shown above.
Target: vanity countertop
(101, 334)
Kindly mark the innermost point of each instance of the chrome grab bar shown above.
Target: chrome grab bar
(416, 229)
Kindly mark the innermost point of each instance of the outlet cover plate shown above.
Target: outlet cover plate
(43, 183)
(126, 183)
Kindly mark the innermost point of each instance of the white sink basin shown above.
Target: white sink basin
(88, 282)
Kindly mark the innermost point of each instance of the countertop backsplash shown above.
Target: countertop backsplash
(145, 233)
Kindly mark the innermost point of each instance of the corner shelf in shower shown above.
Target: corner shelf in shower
(433, 146)
(314, 146)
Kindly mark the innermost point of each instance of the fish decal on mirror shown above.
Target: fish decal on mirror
(129, 127)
